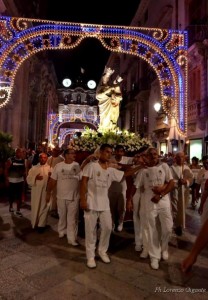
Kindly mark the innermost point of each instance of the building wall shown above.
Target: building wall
(191, 15)
(34, 95)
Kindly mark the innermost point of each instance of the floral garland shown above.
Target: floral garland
(90, 140)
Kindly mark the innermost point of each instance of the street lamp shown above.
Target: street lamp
(157, 106)
(162, 128)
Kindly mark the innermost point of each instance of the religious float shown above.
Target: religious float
(109, 97)
(87, 142)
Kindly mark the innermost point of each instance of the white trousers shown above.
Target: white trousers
(157, 241)
(137, 220)
(143, 222)
(68, 211)
(105, 221)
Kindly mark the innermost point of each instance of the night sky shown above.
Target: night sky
(90, 54)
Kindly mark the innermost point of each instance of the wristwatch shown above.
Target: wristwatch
(161, 196)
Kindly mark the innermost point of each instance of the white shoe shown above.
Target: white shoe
(165, 255)
(144, 254)
(91, 263)
(154, 263)
(104, 257)
(138, 248)
(120, 227)
(61, 235)
(73, 243)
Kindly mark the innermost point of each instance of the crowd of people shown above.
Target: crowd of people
(156, 188)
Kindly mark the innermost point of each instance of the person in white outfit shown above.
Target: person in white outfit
(66, 176)
(37, 178)
(94, 200)
(157, 182)
(134, 204)
(180, 196)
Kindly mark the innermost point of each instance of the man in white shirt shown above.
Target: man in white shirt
(157, 182)
(96, 180)
(66, 176)
(135, 204)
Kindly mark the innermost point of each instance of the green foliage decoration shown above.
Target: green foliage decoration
(6, 150)
(90, 140)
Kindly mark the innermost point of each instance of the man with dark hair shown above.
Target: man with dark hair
(15, 173)
(66, 177)
(156, 181)
(96, 179)
(38, 151)
(135, 204)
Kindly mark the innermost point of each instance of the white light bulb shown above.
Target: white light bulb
(66, 82)
(91, 84)
(157, 106)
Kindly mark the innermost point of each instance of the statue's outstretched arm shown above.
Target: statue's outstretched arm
(107, 74)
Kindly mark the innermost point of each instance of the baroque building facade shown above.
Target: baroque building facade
(78, 108)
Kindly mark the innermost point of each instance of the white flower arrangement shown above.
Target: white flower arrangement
(91, 139)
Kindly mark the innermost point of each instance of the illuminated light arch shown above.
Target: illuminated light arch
(62, 134)
(165, 50)
(55, 125)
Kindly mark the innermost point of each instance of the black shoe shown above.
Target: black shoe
(193, 206)
(55, 215)
(40, 229)
(178, 231)
(18, 214)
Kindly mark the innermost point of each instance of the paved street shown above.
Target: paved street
(42, 266)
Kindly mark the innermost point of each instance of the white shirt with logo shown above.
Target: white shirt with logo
(98, 184)
(68, 178)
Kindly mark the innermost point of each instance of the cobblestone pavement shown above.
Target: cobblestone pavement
(42, 266)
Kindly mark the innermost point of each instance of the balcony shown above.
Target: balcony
(197, 115)
(194, 111)
(204, 108)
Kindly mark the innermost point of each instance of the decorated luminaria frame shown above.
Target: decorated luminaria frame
(57, 134)
(164, 50)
